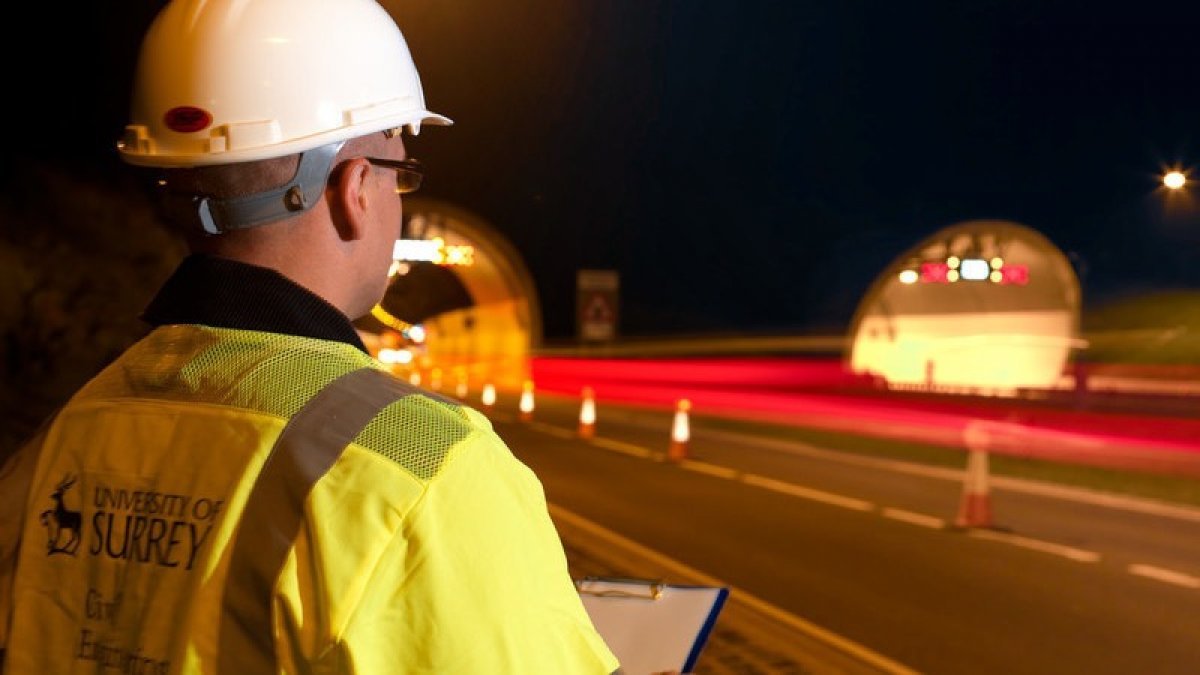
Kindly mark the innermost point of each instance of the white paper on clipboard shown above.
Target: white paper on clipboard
(652, 626)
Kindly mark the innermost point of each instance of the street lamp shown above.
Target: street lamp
(1174, 180)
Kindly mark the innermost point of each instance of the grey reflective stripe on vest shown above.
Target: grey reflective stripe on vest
(307, 448)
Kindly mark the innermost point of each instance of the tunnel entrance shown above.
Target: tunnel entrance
(987, 307)
(461, 309)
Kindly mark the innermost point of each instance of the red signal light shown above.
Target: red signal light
(935, 273)
(1014, 274)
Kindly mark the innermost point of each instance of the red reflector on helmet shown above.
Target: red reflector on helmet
(186, 119)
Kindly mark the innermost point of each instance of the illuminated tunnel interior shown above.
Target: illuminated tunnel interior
(425, 291)
(982, 306)
(469, 295)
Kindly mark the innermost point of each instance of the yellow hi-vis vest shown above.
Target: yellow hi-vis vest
(241, 502)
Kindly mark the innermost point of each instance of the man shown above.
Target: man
(245, 490)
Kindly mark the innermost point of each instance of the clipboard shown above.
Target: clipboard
(649, 625)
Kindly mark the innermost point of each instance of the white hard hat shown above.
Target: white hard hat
(225, 81)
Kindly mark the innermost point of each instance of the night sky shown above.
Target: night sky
(747, 166)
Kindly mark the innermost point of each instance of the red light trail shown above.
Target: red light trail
(821, 394)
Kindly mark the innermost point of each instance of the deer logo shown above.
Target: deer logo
(62, 524)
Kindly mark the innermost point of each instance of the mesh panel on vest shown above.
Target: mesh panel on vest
(276, 375)
(415, 432)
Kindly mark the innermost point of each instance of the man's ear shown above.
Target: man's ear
(349, 198)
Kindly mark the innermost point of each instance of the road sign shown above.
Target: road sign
(596, 304)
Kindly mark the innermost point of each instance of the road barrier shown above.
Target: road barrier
(488, 398)
(525, 407)
(975, 508)
(587, 414)
(680, 432)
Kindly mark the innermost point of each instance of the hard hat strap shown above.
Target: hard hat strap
(299, 194)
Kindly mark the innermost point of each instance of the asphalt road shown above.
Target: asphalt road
(1064, 582)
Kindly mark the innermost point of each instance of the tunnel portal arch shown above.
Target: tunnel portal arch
(982, 306)
(469, 289)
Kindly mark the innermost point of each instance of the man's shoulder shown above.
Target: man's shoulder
(253, 370)
(418, 429)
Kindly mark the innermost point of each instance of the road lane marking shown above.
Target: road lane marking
(1147, 571)
(807, 493)
(855, 504)
(914, 518)
(552, 430)
(1068, 552)
(622, 447)
(1169, 576)
(736, 595)
(606, 443)
(1027, 486)
(710, 469)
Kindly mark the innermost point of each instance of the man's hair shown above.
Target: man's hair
(224, 181)
(178, 187)
(175, 189)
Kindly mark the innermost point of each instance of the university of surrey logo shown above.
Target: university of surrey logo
(62, 524)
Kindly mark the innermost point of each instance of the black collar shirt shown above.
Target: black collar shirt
(213, 291)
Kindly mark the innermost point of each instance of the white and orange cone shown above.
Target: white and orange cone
(587, 414)
(435, 379)
(975, 508)
(680, 432)
(460, 387)
(488, 397)
(525, 406)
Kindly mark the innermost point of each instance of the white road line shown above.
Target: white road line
(807, 493)
(1068, 552)
(914, 518)
(1096, 498)
(737, 595)
(622, 447)
(552, 430)
(710, 469)
(843, 501)
(1027, 486)
(1169, 576)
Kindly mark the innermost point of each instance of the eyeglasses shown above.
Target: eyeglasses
(409, 172)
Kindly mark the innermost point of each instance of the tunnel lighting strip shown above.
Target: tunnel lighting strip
(387, 319)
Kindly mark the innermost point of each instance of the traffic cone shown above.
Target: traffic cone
(460, 388)
(435, 379)
(525, 406)
(587, 414)
(488, 398)
(680, 432)
(414, 378)
(975, 509)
